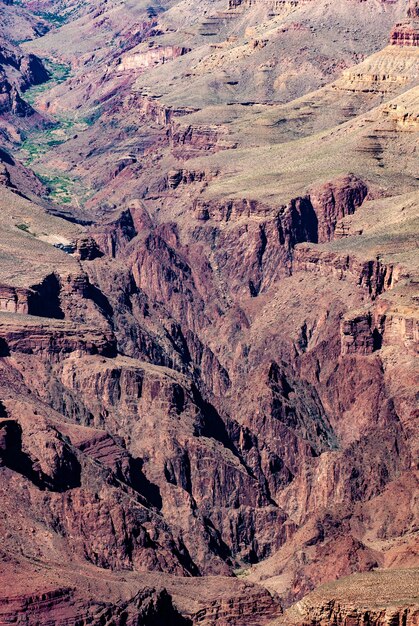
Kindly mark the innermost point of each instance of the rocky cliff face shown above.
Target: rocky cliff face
(405, 34)
(18, 72)
(338, 604)
(207, 349)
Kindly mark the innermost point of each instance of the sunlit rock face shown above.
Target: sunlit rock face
(208, 315)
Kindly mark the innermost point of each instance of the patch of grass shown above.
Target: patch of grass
(61, 15)
(40, 142)
(37, 143)
(60, 188)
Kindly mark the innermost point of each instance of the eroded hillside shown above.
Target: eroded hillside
(208, 312)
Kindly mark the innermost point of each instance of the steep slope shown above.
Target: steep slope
(377, 598)
(18, 72)
(208, 320)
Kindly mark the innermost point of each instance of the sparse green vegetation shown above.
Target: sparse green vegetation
(60, 187)
(89, 120)
(40, 142)
(24, 227)
(59, 72)
(60, 16)
(55, 19)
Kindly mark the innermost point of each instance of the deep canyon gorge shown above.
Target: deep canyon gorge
(208, 312)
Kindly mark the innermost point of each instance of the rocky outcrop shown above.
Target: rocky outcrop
(150, 107)
(188, 141)
(187, 177)
(334, 200)
(49, 297)
(405, 34)
(272, 5)
(406, 119)
(151, 57)
(367, 332)
(334, 613)
(113, 237)
(30, 68)
(269, 242)
(380, 599)
(40, 454)
(374, 276)
(55, 339)
(84, 248)
(230, 210)
(10, 99)
(66, 605)
(359, 335)
(255, 605)
(14, 299)
(18, 72)
(319, 210)
(401, 328)
(383, 73)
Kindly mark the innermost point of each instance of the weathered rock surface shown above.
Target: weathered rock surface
(393, 596)
(208, 328)
(18, 72)
(405, 34)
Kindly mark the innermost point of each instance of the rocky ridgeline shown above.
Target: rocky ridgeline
(152, 108)
(272, 5)
(184, 176)
(67, 605)
(317, 213)
(189, 141)
(272, 247)
(367, 332)
(151, 57)
(228, 604)
(52, 340)
(373, 276)
(334, 613)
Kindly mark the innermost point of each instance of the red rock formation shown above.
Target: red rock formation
(334, 200)
(374, 276)
(151, 108)
(53, 339)
(358, 335)
(18, 72)
(405, 34)
(204, 382)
